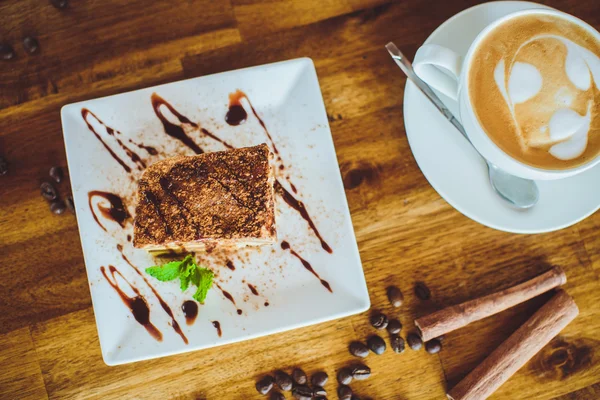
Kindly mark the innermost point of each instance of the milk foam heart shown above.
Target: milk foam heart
(534, 86)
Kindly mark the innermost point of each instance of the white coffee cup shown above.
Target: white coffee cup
(446, 71)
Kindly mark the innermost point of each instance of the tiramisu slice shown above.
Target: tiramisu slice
(195, 203)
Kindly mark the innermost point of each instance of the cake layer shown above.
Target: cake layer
(210, 199)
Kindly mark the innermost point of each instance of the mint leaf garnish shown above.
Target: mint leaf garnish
(188, 273)
(166, 272)
(203, 279)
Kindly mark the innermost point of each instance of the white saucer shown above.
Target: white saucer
(455, 170)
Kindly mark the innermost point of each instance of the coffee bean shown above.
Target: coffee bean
(283, 380)
(344, 376)
(414, 341)
(319, 391)
(30, 44)
(299, 376)
(57, 174)
(7, 52)
(302, 392)
(379, 321)
(276, 396)
(3, 166)
(70, 203)
(397, 343)
(319, 378)
(361, 372)
(358, 349)
(395, 296)
(58, 207)
(422, 291)
(376, 344)
(433, 346)
(48, 191)
(344, 392)
(394, 327)
(60, 4)
(265, 385)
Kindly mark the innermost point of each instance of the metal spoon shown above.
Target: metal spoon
(520, 192)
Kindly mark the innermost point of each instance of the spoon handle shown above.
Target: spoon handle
(406, 67)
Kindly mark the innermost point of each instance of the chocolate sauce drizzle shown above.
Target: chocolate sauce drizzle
(236, 113)
(176, 131)
(299, 206)
(137, 304)
(286, 246)
(190, 310)
(116, 212)
(135, 158)
(229, 297)
(163, 304)
(235, 102)
(217, 325)
(230, 265)
(253, 289)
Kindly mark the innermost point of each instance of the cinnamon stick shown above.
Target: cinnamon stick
(455, 317)
(515, 351)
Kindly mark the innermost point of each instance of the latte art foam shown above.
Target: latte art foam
(534, 85)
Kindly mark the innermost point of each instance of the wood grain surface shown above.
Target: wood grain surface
(406, 232)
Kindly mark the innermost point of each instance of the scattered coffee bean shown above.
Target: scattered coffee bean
(319, 378)
(422, 291)
(265, 385)
(414, 341)
(60, 4)
(299, 376)
(358, 349)
(376, 344)
(70, 203)
(7, 52)
(57, 174)
(344, 392)
(379, 321)
(58, 207)
(48, 191)
(361, 372)
(3, 166)
(394, 326)
(319, 391)
(283, 381)
(302, 392)
(277, 396)
(344, 376)
(395, 296)
(433, 346)
(397, 343)
(30, 44)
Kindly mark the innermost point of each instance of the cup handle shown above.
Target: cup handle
(439, 67)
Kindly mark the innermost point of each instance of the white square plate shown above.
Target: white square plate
(286, 96)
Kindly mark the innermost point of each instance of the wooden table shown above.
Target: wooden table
(406, 232)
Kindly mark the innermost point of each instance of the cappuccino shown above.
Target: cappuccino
(534, 84)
